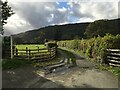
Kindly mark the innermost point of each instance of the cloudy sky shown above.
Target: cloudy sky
(35, 14)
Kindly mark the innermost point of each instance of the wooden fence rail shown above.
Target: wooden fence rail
(113, 57)
(34, 54)
(32, 49)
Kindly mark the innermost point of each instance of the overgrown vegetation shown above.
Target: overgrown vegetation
(46, 63)
(70, 56)
(115, 70)
(94, 48)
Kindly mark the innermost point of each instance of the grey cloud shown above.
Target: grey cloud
(119, 9)
(94, 10)
(38, 14)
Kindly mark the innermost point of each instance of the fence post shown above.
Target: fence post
(38, 49)
(16, 52)
(29, 54)
(13, 50)
(50, 49)
(26, 51)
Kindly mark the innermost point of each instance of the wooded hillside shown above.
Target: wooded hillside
(65, 32)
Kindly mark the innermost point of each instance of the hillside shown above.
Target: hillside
(61, 32)
(57, 32)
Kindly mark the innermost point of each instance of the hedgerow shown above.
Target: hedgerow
(95, 47)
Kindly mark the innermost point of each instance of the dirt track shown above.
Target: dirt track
(83, 76)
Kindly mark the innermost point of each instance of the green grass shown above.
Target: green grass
(13, 64)
(70, 56)
(30, 46)
(47, 63)
(114, 70)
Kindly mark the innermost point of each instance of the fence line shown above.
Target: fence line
(32, 49)
(113, 57)
(34, 54)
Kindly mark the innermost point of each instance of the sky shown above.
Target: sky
(34, 14)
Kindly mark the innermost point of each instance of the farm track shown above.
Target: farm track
(84, 75)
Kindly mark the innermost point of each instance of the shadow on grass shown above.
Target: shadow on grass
(77, 56)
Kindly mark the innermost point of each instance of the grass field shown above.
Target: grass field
(31, 46)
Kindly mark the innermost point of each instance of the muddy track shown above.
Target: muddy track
(84, 75)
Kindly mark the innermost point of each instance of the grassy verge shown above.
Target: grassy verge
(47, 63)
(114, 70)
(70, 56)
(13, 64)
(58, 58)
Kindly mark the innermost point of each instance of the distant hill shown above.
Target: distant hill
(58, 32)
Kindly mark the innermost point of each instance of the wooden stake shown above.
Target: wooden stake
(11, 47)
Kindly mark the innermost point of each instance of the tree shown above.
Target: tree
(101, 28)
(39, 39)
(6, 11)
(42, 37)
(17, 40)
(96, 28)
(58, 34)
(76, 37)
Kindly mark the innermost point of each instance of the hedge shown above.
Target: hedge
(94, 47)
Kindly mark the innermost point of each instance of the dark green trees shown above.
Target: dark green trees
(101, 27)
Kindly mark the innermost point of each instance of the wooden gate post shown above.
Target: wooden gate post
(11, 47)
